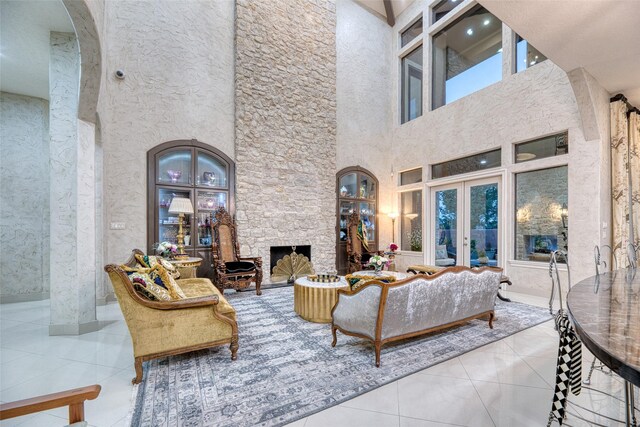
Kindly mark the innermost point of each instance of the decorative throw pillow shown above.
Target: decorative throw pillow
(145, 285)
(356, 281)
(441, 252)
(151, 261)
(158, 281)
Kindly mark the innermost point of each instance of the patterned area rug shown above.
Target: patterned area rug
(287, 369)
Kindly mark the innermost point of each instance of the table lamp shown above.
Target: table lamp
(181, 206)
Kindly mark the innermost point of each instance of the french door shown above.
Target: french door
(466, 223)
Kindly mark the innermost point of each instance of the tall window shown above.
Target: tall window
(467, 56)
(542, 220)
(412, 85)
(526, 55)
(411, 221)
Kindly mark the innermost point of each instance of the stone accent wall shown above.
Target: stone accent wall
(286, 127)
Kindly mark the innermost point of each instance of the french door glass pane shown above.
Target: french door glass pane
(483, 224)
(446, 224)
(168, 226)
(368, 216)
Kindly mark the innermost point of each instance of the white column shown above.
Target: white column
(72, 248)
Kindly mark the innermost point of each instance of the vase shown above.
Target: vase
(378, 270)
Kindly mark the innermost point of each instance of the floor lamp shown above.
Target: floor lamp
(393, 216)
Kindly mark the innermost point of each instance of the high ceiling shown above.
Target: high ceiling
(24, 44)
(378, 6)
(601, 36)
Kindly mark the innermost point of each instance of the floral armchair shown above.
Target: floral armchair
(358, 253)
(231, 271)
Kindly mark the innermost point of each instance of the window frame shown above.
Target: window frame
(453, 17)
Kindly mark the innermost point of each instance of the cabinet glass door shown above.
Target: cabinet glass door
(368, 217)
(168, 223)
(348, 186)
(206, 203)
(174, 167)
(346, 208)
(210, 171)
(367, 187)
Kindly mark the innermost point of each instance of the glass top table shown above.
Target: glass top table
(605, 310)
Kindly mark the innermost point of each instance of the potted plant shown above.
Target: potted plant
(482, 257)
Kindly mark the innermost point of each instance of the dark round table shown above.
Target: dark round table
(605, 311)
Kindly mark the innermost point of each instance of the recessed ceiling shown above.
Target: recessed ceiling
(603, 37)
(24, 44)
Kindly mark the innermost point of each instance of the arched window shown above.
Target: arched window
(191, 169)
(357, 190)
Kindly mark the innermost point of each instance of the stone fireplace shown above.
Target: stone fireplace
(285, 96)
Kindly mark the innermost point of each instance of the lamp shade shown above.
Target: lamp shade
(393, 215)
(181, 205)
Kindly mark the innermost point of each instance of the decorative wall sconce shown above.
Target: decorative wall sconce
(411, 215)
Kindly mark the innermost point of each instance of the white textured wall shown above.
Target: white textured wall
(523, 106)
(178, 59)
(24, 195)
(365, 60)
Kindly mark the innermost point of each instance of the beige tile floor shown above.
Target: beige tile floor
(506, 383)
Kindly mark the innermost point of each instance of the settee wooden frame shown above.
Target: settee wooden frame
(211, 301)
(222, 279)
(73, 398)
(377, 341)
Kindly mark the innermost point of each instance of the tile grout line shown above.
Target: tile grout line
(478, 394)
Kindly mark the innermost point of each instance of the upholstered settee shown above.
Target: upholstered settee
(201, 320)
(386, 312)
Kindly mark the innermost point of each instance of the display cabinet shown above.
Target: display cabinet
(357, 189)
(199, 172)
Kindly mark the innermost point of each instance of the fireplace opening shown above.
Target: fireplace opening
(278, 253)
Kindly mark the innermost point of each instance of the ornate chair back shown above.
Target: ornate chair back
(554, 273)
(356, 244)
(225, 243)
(602, 263)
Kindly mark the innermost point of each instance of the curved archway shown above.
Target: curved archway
(90, 57)
(356, 190)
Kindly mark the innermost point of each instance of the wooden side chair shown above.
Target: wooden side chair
(357, 255)
(232, 271)
(74, 399)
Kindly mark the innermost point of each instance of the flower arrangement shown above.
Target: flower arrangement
(378, 262)
(393, 247)
(166, 249)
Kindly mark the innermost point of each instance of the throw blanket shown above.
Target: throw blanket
(362, 235)
(569, 369)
